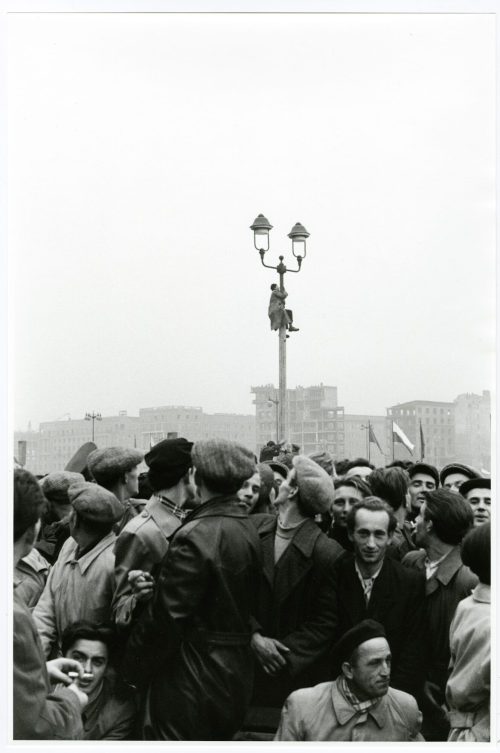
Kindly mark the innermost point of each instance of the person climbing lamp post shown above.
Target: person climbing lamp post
(298, 235)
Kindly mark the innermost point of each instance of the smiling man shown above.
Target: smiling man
(359, 706)
(111, 710)
(369, 584)
(477, 492)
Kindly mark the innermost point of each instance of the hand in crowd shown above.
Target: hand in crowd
(57, 670)
(142, 584)
(269, 653)
(433, 694)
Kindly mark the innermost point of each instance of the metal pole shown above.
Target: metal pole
(93, 419)
(368, 439)
(282, 373)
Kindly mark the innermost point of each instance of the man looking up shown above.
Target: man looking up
(444, 519)
(80, 585)
(117, 469)
(359, 706)
(477, 492)
(423, 478)
(191, 646)
(143, 543)
(369, 584)
(294, 620)
(358, 467)
(39, 712)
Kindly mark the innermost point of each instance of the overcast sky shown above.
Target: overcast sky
(143, 146)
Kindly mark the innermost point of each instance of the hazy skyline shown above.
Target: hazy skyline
(143, 146)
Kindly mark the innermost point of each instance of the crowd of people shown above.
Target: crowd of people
(220, 597)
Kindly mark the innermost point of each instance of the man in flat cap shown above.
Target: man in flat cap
(117, 469)
(55, 518)
(82, 581)
(453, 475)
(292, 629)
(359, 706)
(370, 584)
(191, 645)
(143, 543)
(477, 492)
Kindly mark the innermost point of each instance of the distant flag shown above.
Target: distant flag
(372, 438)
(398, 435)
(422, 442)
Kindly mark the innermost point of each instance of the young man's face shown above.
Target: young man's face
(421, 533)
(371, 536)
(345, 498)
(93, 656)
(249, 491)
(132, 481)
(370, 672)
(287, 487)
(480, 502)
(420, 483)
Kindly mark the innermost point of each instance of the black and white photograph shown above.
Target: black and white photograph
(250, 331)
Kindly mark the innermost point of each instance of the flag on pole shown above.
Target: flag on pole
(398, 435)
(422, 443)
(372, 438)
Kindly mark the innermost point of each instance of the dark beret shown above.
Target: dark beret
(168, 461)
(457, 468)
(474, 483)
(430, 470)
(363, 631)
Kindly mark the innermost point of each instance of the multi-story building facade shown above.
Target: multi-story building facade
(191, 422)
(315, 421)
(473, 430)
(356, 442)
(438, 428)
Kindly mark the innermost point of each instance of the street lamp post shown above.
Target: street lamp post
(276, 403)
(298, 235)
(93, 417)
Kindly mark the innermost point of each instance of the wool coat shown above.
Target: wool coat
(295, 606)
(322, 714)
(39, 712)
(141, 545)
(276, 309)
(450, 583)
(190, 649)
(396, 602)
(76, 589)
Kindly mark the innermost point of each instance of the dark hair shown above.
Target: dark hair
(355, 482)
(450, 513)
(273, 286)
(404, 464)
(90, 631)
(361, 462)
(372, 504)
(341, 466)
(29, 501)
(476, 552)
(390, 484)
(227, 485)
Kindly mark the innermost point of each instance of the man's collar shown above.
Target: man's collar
(344, 711)
(449, 566)
(482, 593)
(166, 504)
(86, 559)
(367, 577)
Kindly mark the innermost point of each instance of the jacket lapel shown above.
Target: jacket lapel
(296, 561)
